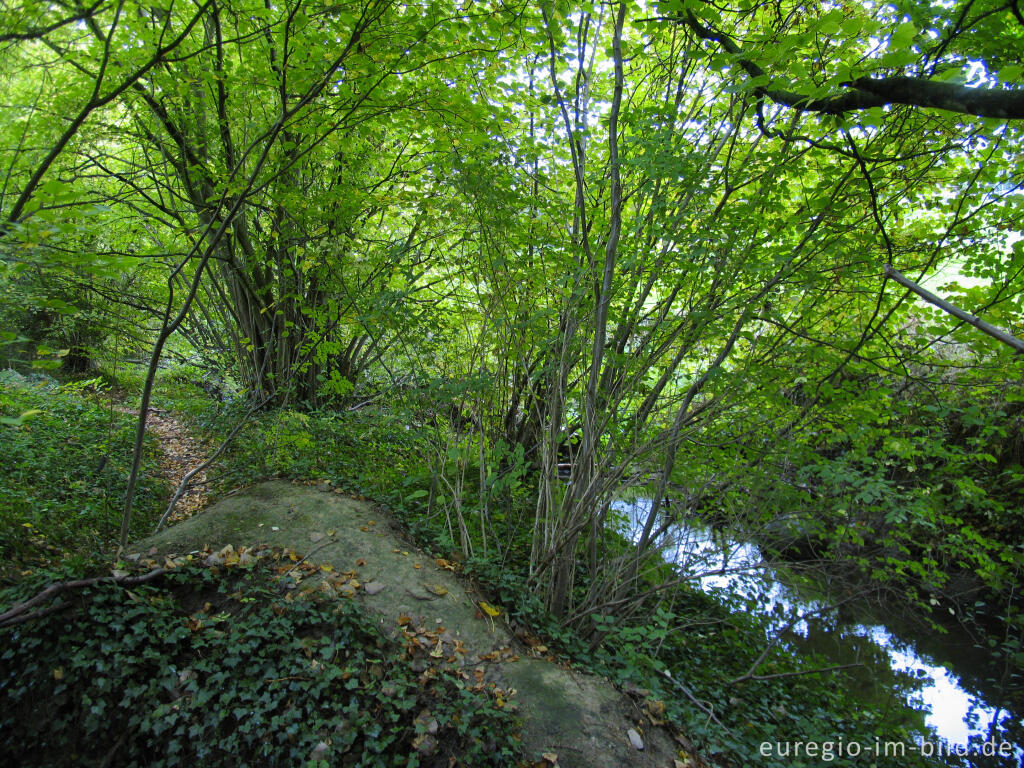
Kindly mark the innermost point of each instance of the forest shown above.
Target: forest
(631, 314)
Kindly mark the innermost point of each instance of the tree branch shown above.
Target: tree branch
(996, 333)
(18, 615)
(867, 92)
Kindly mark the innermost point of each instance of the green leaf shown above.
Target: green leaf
(903, 36)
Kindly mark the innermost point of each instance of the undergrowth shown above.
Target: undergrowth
(227, 666)
(701, 643)
(66, 456)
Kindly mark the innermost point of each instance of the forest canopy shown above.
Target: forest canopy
(655, 234)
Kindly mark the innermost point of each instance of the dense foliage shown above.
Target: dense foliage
(506, 263)
(65, 466)
(228, 669)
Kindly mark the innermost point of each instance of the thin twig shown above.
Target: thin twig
(14, 614)
(777, 675)
(312, 552)
(704, 708)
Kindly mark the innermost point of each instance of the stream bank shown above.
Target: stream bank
(571, 718)
(951, 674)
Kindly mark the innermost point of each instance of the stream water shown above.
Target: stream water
(893, 650)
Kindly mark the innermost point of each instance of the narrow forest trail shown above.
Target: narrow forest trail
(180, 452)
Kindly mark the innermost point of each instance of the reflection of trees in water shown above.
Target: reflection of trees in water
(983, 661)
(823, 609)
(874, 681)
(985, 664)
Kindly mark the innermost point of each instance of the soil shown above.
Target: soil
(571, 719)
(179, 453)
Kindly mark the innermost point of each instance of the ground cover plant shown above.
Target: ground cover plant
(228, 665)
(66, 462)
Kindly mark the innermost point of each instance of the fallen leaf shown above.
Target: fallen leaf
(437, 589)
(656, 712)
(550, 757)
(438, 651)
(417, 566)
(490, 610)
(360, 562)
(326, 567)
(425, 744)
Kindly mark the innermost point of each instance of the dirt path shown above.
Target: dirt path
(179, 453)
(571, 719)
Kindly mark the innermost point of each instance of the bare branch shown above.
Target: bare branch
(996, 333)
(19, 613)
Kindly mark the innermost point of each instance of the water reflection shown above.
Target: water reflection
(737, 573)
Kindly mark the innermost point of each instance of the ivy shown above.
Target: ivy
(226, 669)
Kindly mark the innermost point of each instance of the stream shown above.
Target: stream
(895, 650)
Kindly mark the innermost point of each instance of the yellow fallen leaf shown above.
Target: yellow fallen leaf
(326, 567)
(490, 610)
(438, 651)
(437, 589)
(58, 673)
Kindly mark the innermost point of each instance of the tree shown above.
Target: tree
(749, 284)
(658, 237)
